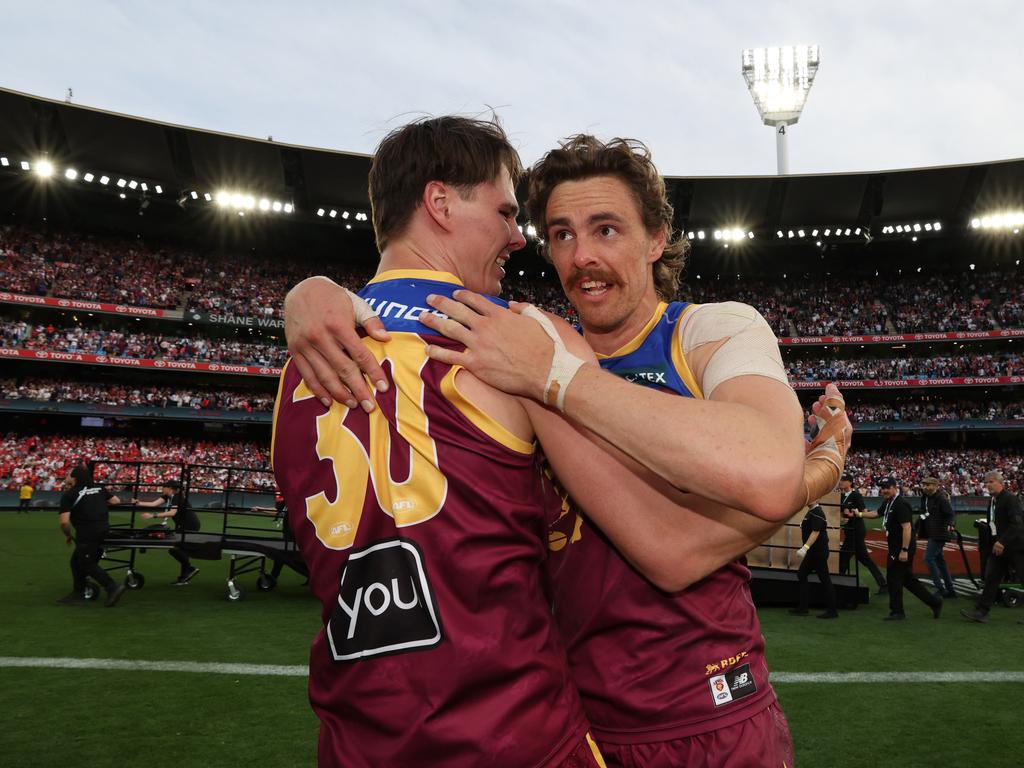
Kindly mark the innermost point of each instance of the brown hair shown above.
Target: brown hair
(583, 157)
(460, 151)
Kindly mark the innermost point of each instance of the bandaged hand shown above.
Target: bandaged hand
(519, 351)
(802, 552)
(826, 453)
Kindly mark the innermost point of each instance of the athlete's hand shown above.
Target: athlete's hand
(320, 322)
(826, 451)
(997, 548)
(504, 349)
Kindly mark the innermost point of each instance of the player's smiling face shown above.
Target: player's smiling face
(603, 254)
(488, 233)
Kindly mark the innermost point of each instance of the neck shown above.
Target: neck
(410, 254)
(606, 342)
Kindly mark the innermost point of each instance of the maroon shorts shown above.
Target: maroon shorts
(762, 741)
(586, 755)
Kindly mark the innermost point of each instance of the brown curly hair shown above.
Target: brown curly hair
(583, 157)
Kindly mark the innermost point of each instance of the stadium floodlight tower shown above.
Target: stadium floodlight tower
(779, 80)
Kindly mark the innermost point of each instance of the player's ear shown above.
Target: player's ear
(659, 240)
(437, 201)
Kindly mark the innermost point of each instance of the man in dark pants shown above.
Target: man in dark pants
(853, 511)
(174, 504)
(1007, 524)
(814, 554)
(936, 522)
(898, 519)
(84, 506)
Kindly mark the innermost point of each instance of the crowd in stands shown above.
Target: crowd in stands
(875, 369)
(143, 346)
(110, 393)
(925, 409)
(131, 272)
(961, 472)
(153, 346)
(45, 460)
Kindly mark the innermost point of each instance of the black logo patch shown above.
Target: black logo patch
(385, 603)
(735, 684)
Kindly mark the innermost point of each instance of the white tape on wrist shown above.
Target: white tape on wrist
(564, 364)
(360, 308)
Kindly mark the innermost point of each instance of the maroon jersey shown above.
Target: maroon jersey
(653, 666)
(423, 527)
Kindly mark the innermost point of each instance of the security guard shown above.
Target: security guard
(853, 511)
(814, 555)
(935, 524)
(84, 506)
(174, 504)
(897, 517)
(1007, 524)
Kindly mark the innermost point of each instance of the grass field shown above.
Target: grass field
(91, 718)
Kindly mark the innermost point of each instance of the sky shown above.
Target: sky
(903, 83)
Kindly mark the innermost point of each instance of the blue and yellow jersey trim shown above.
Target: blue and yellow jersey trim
(654, 357)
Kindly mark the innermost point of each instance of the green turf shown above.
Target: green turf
(87, 718)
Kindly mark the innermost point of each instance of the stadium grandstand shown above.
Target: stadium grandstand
(143, 268)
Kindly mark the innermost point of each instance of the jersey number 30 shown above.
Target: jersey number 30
(413, 500)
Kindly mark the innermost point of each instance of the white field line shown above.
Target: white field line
(300, 670)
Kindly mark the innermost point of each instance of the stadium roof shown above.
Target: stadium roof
(183, 159)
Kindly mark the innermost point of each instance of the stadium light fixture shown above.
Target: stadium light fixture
(344, 214)
(121, 183)
(333, 213)
(264, 204)
(999, 221)
(146, 188)
(348, 226)
(288, 207)
(44, 169)
(89, 177)
(206, 196)
(70, 174)
(320, 211)
(194, 195)
(133, 184)
(276, 206)
(4, 161)
(779, 79)
(159, 189)
(104, 180)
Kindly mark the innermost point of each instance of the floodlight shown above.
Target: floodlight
(348, 226)
(44, 168)
(937, 226)
(689, 235)
(531, 231)
(89, 177)
(194, 195)
(25, 166)
(70, 174)
(276, 206)
(288, 207)
(159, 189)
(800, 232)
(779, 79)
(206, 195)
(121, 183)
(104, 180)
(344, 214)
(700, 235)
(814, 233)
(264, 204)
(320, 211)
(333, 213)
(4, 162)
(222, 198)
(122, 195)
(133, 184)
(250, 202)
(828, 232)
(146, 189)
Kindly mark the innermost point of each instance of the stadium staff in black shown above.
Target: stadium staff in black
(1007, 523)
(853, 511)
(898, 520)
(174, 504)
(84, 506)
(935, 524)
(814, 558)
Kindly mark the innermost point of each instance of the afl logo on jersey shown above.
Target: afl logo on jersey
(385, 604)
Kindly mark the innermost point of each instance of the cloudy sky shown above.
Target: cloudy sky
(902, 83)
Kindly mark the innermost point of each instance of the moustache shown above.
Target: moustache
(580, 275)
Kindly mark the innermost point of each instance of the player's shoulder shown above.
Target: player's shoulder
(723, 310)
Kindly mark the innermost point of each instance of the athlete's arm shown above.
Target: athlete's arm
(320, 323)
(742, 447)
